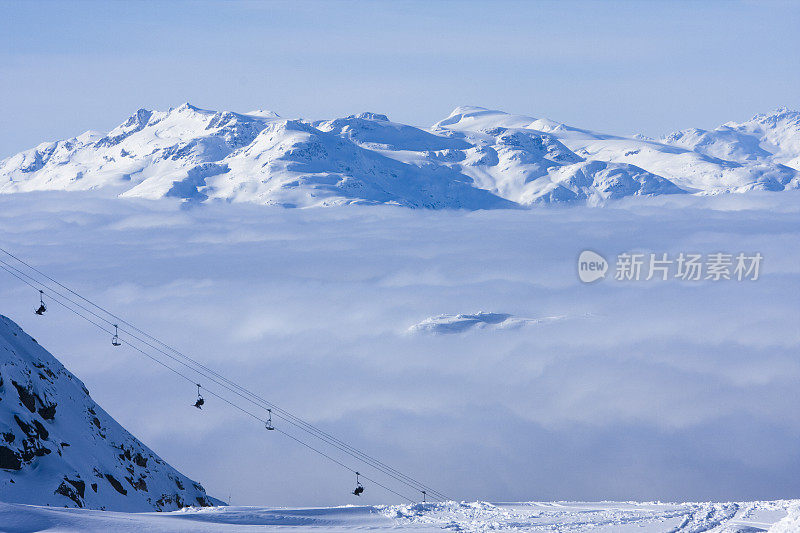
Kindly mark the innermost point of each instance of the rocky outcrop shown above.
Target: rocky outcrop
(58, 447)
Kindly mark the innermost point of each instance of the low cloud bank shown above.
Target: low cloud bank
(673, 390)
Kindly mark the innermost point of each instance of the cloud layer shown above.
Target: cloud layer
(670, 390)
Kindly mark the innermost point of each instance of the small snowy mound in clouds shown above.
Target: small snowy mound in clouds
(461, 323)
(58, 447)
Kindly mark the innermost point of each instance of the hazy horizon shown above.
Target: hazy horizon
(618, 67)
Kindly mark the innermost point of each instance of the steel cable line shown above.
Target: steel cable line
(287, 416)
(263, 421)
(99, 326)
(308, 428)
(333, 443)
(208, 391)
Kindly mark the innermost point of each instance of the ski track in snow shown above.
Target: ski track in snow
(605, 517)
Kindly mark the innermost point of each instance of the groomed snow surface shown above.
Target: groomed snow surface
(775, 517)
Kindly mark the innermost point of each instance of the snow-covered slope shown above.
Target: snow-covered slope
(295, 164)
(194, 154)
(474, 159)
(601, 517)
(58, 447)
(701, 171)
(774, 137)
(529, 162)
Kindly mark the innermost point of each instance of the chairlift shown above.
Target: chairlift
(200, 401)
(115, 338)
(359, 487)
(42, 308)
(268, 424)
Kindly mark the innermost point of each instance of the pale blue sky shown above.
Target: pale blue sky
(621, 67)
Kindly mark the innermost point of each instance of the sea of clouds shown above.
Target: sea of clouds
(666, 390)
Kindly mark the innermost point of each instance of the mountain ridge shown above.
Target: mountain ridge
(475, 158)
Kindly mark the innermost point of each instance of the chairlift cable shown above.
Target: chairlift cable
(280, 413)
(186, 365)
(212, 393)
(6, 267)
(289, 417)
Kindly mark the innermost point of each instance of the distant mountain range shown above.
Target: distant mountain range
(59, 448)
(473, 159)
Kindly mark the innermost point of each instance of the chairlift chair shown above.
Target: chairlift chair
(359, 487)
(42, 308)
(200, 401)
(268, 424)
(115, 338)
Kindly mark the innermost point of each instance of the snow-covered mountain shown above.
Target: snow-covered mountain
(773, 138)
(59, 448)
(474, 159)
(676, 163)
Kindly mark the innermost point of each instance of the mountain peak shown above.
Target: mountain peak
(190, 110)
(371, 116)
(263, 113)
(785, 110)
(139, 118)
(470, 109)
